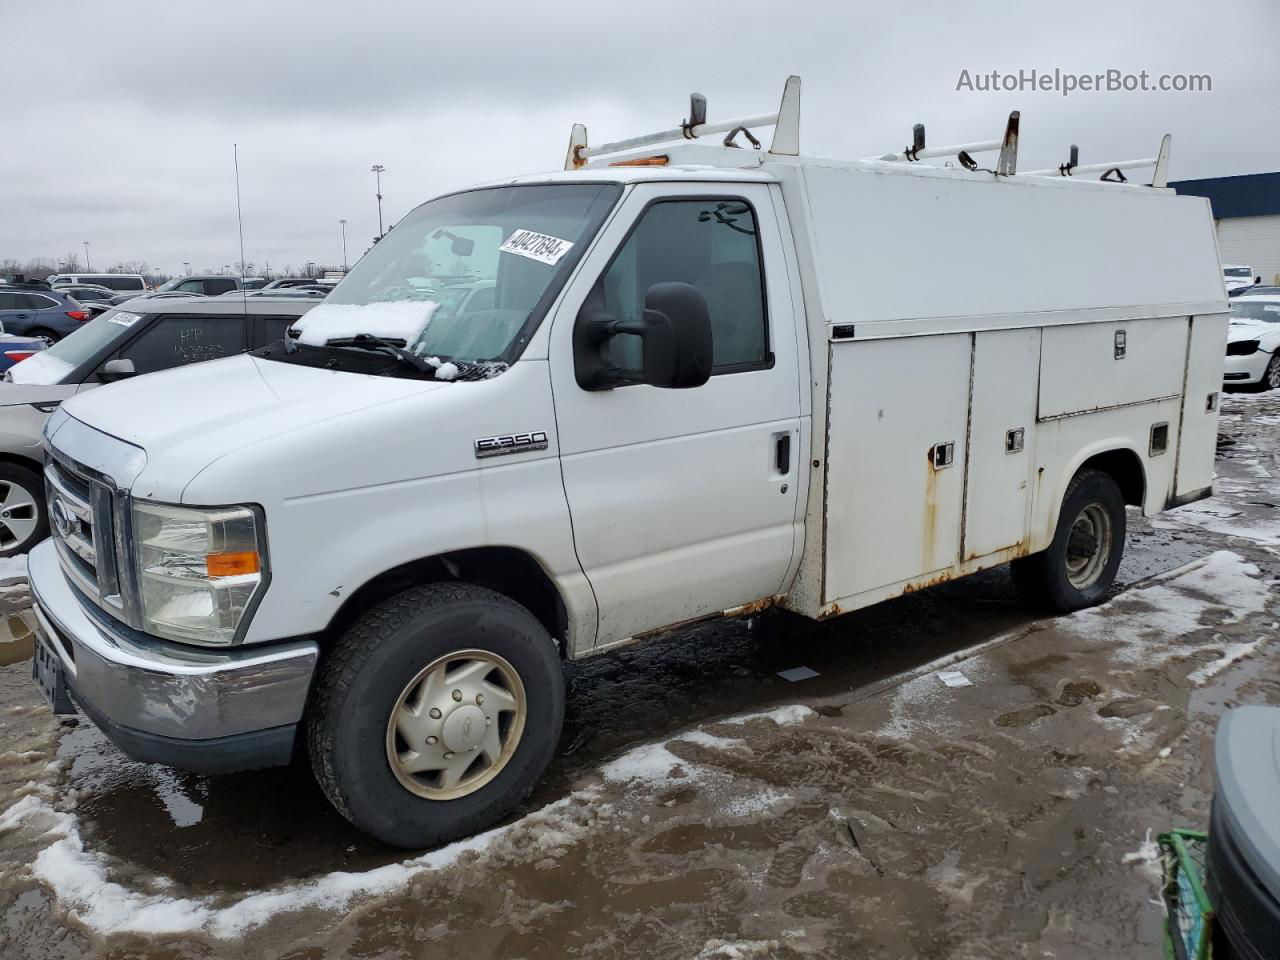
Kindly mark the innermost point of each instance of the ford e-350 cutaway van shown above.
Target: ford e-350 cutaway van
(700, 380)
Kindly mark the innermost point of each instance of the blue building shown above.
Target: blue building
(1246, 210)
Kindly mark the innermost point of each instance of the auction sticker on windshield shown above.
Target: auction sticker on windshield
(536, 246)
(125, 319)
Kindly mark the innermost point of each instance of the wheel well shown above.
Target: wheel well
(1125, 469)
(25, 462)
(508, 570)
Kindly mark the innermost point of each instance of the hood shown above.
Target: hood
(188, 417)
(1247, 329)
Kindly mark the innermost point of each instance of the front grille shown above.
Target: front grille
(81, 522)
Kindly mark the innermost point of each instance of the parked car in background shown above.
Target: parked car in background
(113, 281)
(115, 346)
(1257, 290)
(33, 310)
(16, 349)
(285, 282)
(84, 292)
(1252, 343)
(208, 285)
(253, 283)
(1237, 277)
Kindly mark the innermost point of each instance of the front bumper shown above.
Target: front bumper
(1246, 369)
(205, 710)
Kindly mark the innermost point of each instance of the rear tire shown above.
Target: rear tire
(44, 332)
(1079, 567)
(24, 516)
(419, 684)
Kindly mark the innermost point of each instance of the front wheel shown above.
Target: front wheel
(1271, 376)
(24, 518)
(436, 714)
(1079, 567)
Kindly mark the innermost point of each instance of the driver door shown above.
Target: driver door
(684, 501)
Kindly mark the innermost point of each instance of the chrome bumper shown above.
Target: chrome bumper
(144, 690)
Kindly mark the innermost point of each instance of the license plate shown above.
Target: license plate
(46, 670)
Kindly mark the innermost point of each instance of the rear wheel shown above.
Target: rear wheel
(1079, 567)
(24, 520)
(436, 714)
(45, 333)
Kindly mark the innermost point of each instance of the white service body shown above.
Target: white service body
(948, 349)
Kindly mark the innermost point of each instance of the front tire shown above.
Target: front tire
(1271, 376)
(1079, 567)
(436, 714)
(24, 516)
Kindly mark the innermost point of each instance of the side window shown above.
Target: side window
(191, 286)
(8, 301)
(710, 243)
(271, 329)
(33, 301)
(177, 340)
(216, 285)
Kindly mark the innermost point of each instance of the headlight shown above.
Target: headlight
(1242, 348)
(199, 571)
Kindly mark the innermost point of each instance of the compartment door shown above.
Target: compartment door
(1006, 368)
(896, 460)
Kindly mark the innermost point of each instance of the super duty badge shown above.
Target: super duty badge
(511, 443)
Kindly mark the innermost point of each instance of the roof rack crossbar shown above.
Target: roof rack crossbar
(786, 123)
(949, 151)
(1092, 168)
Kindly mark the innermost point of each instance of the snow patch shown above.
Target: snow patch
(394, 320)
(80, 881)
(782, 716)
(1147, 857)
(650, 763)
(13, 568)
(1234, 652)
(40, 368)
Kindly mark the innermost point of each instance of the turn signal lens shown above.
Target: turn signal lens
(232, 564)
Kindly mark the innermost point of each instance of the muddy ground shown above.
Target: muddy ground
(702, 806)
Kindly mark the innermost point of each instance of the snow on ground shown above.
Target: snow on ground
(82, 879)
(1222, 588)
(13, 568)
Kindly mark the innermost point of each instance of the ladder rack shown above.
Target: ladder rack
(785, 123)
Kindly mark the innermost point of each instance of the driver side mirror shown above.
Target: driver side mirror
(675, 332)
(118, 369)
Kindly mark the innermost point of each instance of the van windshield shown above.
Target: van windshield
(465, 278)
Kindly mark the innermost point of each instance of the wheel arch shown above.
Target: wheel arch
(511, 571)
(1114, 456)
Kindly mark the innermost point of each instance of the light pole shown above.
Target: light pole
(86, 256)
(378, 170)
(344, 245)
(186, 265)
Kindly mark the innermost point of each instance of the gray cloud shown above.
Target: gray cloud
(124, 116)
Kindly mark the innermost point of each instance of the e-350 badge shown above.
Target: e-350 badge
(511, 443)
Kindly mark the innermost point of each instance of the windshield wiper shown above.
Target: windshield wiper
(367, 341)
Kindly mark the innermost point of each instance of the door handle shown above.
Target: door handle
(782, 454)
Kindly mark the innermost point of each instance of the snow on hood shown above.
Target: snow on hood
(393, 320)
(41, 368)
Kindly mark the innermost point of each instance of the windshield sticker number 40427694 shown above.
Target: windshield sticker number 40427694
(536, 246)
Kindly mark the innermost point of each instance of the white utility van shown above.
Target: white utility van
(703, 380)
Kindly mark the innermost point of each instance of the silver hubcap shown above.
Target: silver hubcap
(1273, 373)
(18, 515)
(456, 724)
(1088, 546)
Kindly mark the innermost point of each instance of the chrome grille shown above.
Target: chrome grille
(80, 517)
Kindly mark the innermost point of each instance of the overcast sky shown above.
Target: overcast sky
(120, 119)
